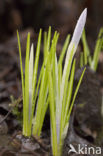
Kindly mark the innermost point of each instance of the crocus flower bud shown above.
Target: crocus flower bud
(79, 28)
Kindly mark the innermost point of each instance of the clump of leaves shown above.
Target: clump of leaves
(30, 88)
(54, 86)
(61, 86)
(86, 57)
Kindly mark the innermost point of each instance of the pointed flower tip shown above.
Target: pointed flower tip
(32, 46)
(79, 28)
(84, 14)
(85, 10)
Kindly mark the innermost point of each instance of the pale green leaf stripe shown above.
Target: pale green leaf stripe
(56, 82)
(57, 101)
(27, 85)
(31, 62)
(59, 77)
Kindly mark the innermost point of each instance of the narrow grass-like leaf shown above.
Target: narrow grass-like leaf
(36, 65)
(44, 110)
(75, 94)
(27, 86)
(87, 57)
(63, 50)
(38, 85)
(57, 99)
(22, 78)
(97, 50)
(45, 44)
(69, 96)
(81, 60)
(61, 61)
(48, 40)
(69, 92)
(52, 110)
(59, 77)
(31, 61)
(40, 103)
(53, 49)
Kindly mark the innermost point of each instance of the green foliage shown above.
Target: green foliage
(60, 109)
(86, 57)
(60, 82)
(54, 85)
(30, 89)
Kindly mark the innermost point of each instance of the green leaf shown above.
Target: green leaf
(69, 92)
(36, 64)
(87, 56)
(40, 103)
(31, 61)
(22, 78)
(75, 94)
(97, 50)
(81, 60)
(27, 85)
(52, 109)
(63, 50)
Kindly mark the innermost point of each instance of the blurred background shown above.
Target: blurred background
(60, 14)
